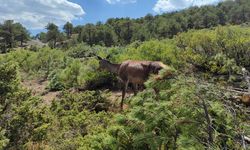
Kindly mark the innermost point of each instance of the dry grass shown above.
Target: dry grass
(38, 88)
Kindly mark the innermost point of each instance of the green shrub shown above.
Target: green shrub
(101, 80)
(33, 48)
(39, 63)
(48, 60)
(153, 50)
(231, 41)
(71, 75)
(79, 51)
(3, 140)
(30, 123)
(9, 79)
(54, 82)
(174, 118)
(77, 102)
(21, 115)
(220, 64)
(76, 119)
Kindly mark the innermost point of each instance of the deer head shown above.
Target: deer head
(152, 67)
(102, 62)
(155, 67)
(105, 64)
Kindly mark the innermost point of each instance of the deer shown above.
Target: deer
(131, 71)
(245, 98)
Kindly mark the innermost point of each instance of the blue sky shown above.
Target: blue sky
(35, 14)
(101, 10)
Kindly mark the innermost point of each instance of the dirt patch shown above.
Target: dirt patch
(115, 100)
(38, 88)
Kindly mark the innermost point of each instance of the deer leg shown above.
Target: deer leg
(157, 91)
(124, 93)
(135, 89)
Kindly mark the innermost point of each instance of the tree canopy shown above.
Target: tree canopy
(11, 33)
(122, 31)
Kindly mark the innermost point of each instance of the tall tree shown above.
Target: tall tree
(68, 29)
(42, 37)
(53, 34)
(22, 34)
(105, 35)
(88, 34)
(77, 29)
(7, 33)
(11, 33)
(126, 26)
(126, 30)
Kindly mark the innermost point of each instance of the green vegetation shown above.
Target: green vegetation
(82, 120)
(10, 34)
(68, 29)
(187, 106)
(122, 31)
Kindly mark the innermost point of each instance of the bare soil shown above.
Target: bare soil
(115, 99)
(38, 88)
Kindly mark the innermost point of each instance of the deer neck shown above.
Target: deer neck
(113, 67)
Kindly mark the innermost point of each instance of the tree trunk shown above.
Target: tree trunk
(54, 45)
(21, 42)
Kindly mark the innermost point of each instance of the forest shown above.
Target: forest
(55, 97)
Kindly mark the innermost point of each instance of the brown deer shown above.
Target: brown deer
(246, 96)
(135, 72)
(245, 99)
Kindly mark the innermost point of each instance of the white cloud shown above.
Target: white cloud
(121, 1)
(35, 14)
(174, 5)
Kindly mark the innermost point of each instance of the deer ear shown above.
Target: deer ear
(99, 57)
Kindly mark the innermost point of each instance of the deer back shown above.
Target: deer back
(138, 71)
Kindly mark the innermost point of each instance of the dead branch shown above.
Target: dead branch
(247, 139)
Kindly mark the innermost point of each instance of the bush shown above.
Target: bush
(71, 76)
(3, 140)
(153, 50)
(33, 48)
(39, 63)
(76, 119)
(101, 80)
(30, 123)
(231, 41)
(220, 64)
(9, 79)
(54, 82)
(80, 51)
(175, 118)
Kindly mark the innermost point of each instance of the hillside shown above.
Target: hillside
(206, 78)
(59, 96)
